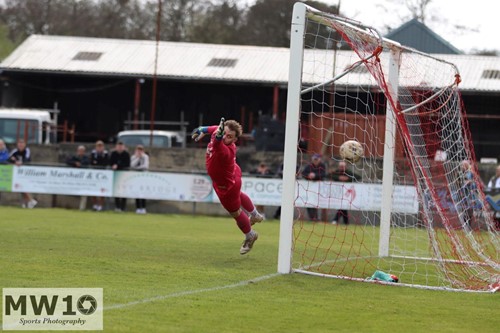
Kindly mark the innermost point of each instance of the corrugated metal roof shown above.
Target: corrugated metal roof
(134, 57)
(190, 61)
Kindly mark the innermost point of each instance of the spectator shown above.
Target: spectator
(494, 183)
(261, 171)
(494, 191)
(139, 162)
(80, 159)
(120, 160)
(99, 158)
(314, 171)
(467, 196)
(19, 156)
(279, 173)
(341, 174)
(4, 153)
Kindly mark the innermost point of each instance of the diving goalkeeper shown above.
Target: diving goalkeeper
(226, 177)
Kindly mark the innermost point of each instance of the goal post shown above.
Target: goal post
(292, 133)
(413, 206)
(388, 164)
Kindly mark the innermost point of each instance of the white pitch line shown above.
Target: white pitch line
(190, 292)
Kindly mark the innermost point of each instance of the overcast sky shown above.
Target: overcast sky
(481, 17)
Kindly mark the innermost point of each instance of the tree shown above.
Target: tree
(178, 17)
(93, 18)
(6, 45)
(220, 23)
(268, 23)
(264, 23)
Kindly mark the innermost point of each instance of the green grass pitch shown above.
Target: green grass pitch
(172, 273)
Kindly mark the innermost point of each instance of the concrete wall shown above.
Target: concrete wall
(189, 160)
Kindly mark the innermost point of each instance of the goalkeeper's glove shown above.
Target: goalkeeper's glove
(219, 134)
(199, 133)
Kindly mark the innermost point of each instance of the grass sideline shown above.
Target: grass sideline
(186, 259)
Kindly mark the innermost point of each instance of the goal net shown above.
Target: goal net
(413, 206)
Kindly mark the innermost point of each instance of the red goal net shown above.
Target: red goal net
(413, 206)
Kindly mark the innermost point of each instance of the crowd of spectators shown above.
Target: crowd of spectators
(118, 159)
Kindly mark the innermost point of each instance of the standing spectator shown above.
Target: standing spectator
(139, 162)
(494, 183)
(120, 160)
(279, 173)
(4, 153)
(466, 198)
(261, 171)
(494, 191)
(341, 174)
(314, 171)
(79, 160)
(19, 156)
(99, 158)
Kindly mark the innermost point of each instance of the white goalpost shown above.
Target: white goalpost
(413, 205)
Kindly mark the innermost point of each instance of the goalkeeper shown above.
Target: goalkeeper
(226, 177)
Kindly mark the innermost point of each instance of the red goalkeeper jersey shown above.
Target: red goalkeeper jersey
(221, 162)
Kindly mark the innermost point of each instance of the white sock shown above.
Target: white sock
(250, 234)
(254, 212)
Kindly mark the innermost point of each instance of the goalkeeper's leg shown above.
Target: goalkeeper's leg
(247, 204)
(232, 203)
(244, 224)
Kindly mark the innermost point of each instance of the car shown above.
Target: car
(161, 139)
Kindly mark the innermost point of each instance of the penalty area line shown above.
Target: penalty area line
(190, 292)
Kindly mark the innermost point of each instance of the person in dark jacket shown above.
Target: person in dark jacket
(342, 174)
(99, 158)
(19, 156)
(314, 171)
(120, 160)
(80, 159)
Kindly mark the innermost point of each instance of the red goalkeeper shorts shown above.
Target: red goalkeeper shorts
(230, 198)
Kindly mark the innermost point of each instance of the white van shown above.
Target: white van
(29, 124)
(161, 139)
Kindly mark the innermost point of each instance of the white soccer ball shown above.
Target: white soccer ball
(351, 151)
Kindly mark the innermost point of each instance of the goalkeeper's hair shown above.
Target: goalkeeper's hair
(235, 126)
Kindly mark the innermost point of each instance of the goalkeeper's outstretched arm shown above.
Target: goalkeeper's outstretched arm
(199, 132)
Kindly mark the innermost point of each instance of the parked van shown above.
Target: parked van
(161, 139)
(34, 126)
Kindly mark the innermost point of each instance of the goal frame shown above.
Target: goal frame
(295, 91)
(285, 255)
